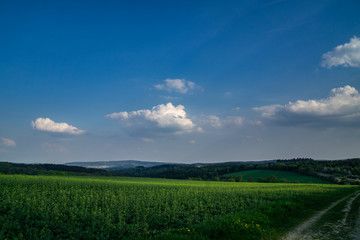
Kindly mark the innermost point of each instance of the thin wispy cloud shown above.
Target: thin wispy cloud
(148, 140)
(234, 120)
(341, 107)
(192, 141)
(162, 118)
(347, 55)
(8, 142)
(170, 98)
(48, 125)
(177, 85)
(213, 121)
(217, 122)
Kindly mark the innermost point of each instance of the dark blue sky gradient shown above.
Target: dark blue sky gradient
(76, 61)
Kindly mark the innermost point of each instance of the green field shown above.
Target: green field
(289, 176)
(63, 207)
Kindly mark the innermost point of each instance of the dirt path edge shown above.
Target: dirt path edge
(296, 233)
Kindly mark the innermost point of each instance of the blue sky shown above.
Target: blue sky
(179, 81)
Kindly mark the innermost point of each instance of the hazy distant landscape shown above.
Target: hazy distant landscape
(292, 170)
(115, 165)
(345, 172)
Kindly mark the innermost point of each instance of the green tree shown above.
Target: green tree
(239, 179)
(231, 179)
(272, 179)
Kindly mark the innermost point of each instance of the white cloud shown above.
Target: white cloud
(169, 98)
(149, 140)
(192, 141)
(8, 142)
(48, 125)
(269, 110)
(213, 121)
(347, 55)
(343, 100)
(176, 85)
(217, 122)
(169, 118)
(234, 120)
(343, 105)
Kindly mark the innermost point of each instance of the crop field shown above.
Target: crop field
(289, 176)
(64, 207)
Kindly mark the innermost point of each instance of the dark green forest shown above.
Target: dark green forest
(47, 169)
(336, 171)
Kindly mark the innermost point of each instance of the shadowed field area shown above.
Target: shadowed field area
(287, 175)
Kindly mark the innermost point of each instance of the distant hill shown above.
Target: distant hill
(336, 171)
(126, 164)
(116, 165)
(47, 169)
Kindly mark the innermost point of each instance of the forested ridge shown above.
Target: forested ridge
(336, 171)
(47, 169)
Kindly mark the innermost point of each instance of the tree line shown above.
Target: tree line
(337, 171)
(48, 169)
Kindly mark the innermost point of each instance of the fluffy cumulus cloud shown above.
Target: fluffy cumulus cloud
(347, 55)
(176, 85)
(48, 125)
(8, 142)
(341, 107)
(162, 118)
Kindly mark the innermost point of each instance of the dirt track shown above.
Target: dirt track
(339, 221)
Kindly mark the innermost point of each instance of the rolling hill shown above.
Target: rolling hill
(116, 165)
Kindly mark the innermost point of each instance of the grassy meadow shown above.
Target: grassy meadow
(289, 176)
(67, 207)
